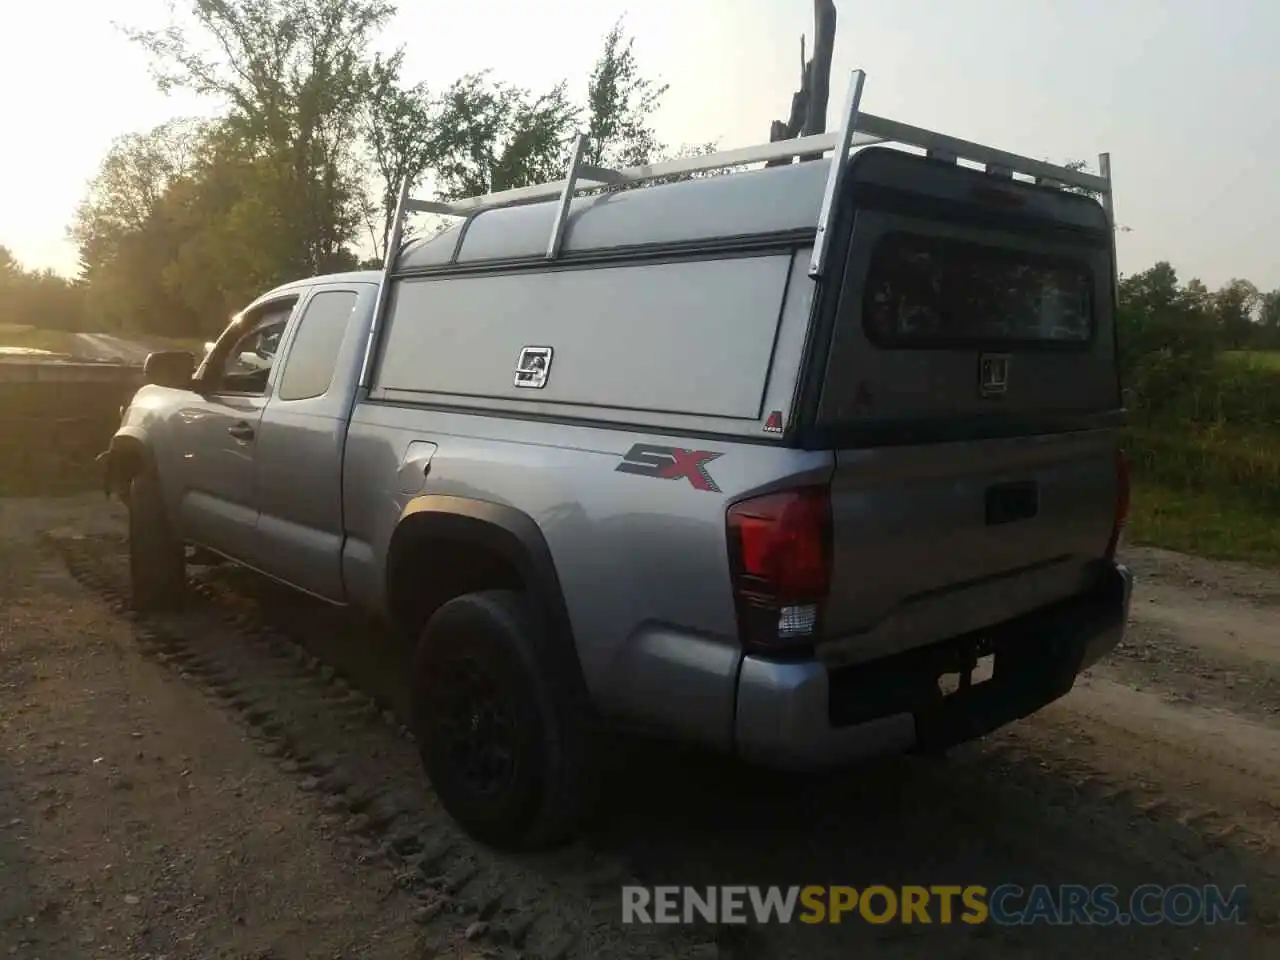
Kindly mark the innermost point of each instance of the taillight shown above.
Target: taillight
(1122, 502)
(780, 559)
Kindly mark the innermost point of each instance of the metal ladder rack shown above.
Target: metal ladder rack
(857, 129)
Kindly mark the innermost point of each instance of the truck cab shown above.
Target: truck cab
(248, 457)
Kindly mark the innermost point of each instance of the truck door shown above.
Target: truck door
(219, 433)
(301, 438)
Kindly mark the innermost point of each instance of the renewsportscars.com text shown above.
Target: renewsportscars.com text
(1006, 905)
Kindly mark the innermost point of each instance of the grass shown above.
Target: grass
(1211, 489)
(1234, 463)
(1208, 525)
(1268, 359)
(34, 338)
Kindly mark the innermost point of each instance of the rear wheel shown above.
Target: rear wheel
(157, 564)
(503, 737)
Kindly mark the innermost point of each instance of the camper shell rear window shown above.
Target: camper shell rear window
(938, 292)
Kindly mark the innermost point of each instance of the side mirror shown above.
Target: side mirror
(169, 368)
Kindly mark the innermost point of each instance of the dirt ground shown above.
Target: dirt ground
(233, 781)
(135, 819)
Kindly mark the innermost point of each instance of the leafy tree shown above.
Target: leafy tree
(1168, 336)
(38, 298)
(1269, 320)
(621, 102)
(295, 74)
(1233, 308)
(481, 135)
(403, 135)
(495, 136)
(125, 240)
(9, 266)
(129, 186)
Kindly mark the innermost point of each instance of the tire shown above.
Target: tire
(502, 728)
(157, 563)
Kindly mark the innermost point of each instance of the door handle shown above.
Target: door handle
(241, 431)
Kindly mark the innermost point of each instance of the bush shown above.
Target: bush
(1205, 423)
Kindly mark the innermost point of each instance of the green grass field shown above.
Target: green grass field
(1268, 359)
(1204, 524)
(1211, 490)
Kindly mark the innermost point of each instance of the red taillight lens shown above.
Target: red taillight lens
(780, 558)
(1122, 502)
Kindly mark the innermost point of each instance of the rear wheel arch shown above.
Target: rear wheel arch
(444, 547)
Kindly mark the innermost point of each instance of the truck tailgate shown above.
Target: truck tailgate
(934, 541)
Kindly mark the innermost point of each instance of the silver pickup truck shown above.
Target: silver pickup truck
(803, 463)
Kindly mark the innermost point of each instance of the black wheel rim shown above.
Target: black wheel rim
(476, 728)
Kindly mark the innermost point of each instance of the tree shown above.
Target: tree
(1269, 320)
(9, 266)
(1233, 308)
(124, 196)
(495, 137)
(295, 74)
(173, 248)
(403, 136)
(125, 239)
(38, 298)
(1168, 336)
(621, 102)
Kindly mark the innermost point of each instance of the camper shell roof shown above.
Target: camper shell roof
(777, 200)
(782, 201)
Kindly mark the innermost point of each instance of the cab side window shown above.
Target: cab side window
(308, 370)
(244, 368)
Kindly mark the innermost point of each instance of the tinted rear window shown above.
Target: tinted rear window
(308, 370)
(926, 291)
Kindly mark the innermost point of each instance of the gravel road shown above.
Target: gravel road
(233, 781)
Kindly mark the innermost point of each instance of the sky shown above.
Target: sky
(1176, 90)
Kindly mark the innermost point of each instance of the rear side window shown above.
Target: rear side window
(939, 292)
(308, 370)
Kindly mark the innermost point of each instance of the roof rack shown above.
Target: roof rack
(857, 129)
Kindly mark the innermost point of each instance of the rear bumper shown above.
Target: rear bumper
(805, 714)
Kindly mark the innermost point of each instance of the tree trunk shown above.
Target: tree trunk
(818, 71)
(809, 103)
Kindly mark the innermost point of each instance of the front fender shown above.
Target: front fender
(124, 458)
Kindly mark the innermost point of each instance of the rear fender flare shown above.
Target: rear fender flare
(507, 532)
